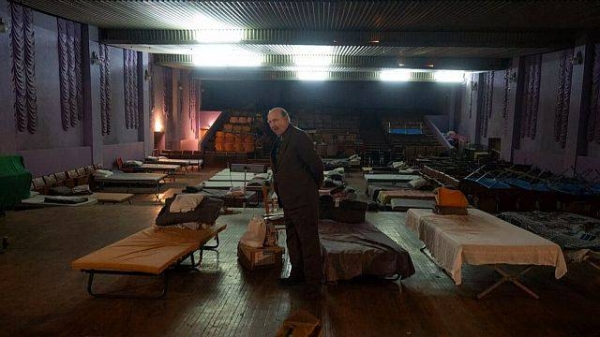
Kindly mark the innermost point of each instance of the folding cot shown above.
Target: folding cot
(149, 252)
(184, 163)
(480, 238)
(131, 179)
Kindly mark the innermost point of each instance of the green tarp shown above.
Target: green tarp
(15, 181)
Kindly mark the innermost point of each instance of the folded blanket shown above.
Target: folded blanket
(206, 212)
(65, 200)
(103, 173)
(185, 202)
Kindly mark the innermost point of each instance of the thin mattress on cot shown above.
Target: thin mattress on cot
(150, 251)
(136, 178)
(384, 197)
(402, 205)
(57, 200)
(374, 190)
(390, 177)
(165, 167)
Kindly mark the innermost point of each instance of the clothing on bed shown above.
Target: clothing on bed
(568, 230)
(351, 250)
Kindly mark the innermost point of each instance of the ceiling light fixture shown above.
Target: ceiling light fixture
(396, 75)
(449, 76)
(225, 56)
(218, 35)
(305, 75)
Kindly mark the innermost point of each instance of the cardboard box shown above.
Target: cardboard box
(300, 324)
(253, 258)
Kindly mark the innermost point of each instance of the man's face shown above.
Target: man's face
(277, 122)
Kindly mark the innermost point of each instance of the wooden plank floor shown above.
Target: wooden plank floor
(42, 296)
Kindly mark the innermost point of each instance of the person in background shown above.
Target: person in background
(298, 173)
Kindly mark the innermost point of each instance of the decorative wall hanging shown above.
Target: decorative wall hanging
(131, 94)
(105, 97)
(167, 95)
(193, 106)
(69, 65)
(593, 133)
(563, 98)
(473, 89)
(486, 98)
(22, 51)
(508, 78)
(151, 89)
(529, 109)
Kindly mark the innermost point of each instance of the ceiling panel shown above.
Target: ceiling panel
(363, 36)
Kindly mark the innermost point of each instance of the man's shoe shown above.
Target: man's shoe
(290, 281)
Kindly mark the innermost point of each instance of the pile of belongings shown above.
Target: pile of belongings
(334, 178)
(192, 211)
(132, 166)
(102, 173)
(259, 234)
(64, 190)
(402, 167)
(259, 179)
(450, 201)
(342, 210)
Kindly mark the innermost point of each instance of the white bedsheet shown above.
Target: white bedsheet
(481, 238)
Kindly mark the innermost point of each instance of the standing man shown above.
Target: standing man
(298, 174)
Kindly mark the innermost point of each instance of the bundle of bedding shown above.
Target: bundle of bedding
(195, 211)
(67, 200)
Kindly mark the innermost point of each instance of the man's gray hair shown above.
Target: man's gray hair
(284, 113)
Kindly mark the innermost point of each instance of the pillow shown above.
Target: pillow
(207, 212)
(133, 163)
(185, 202)
(418, 183)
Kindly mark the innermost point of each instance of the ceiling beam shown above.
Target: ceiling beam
(492, 39)
(361, 63)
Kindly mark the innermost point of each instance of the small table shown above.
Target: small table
(113, 197)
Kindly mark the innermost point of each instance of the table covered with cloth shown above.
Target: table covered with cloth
(480, 238)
